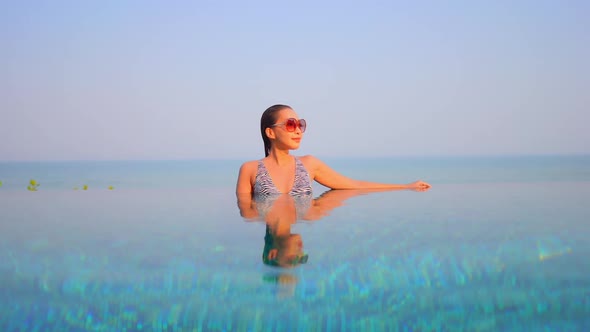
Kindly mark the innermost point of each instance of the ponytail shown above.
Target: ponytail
(269, 117)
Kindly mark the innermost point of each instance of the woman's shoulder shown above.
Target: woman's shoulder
(309, 157)
(249, 166)
(309, 161)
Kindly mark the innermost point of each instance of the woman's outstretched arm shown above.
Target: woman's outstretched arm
(332, 199)
(328, 177)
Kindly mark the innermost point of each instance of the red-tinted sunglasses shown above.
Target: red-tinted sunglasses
(291, 124)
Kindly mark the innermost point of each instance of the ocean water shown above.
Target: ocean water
(498, 244)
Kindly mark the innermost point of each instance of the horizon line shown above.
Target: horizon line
(508, 155)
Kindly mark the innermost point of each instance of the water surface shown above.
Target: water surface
(496, 244)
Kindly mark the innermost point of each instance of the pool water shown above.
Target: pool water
(500, 245)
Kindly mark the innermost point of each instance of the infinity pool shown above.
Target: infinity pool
(474, 256)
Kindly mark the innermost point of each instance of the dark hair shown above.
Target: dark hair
(269, 243)
(273, 242)
(269, 117)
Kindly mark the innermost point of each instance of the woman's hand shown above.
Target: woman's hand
(419, 186)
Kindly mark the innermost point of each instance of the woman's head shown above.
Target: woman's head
(282, 116)
(283, 251)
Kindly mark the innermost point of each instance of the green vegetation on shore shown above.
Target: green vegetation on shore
(33, 185)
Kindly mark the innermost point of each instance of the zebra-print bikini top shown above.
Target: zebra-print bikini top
(263, 184)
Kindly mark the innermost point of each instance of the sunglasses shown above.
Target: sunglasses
(291, 124)
(299, 260)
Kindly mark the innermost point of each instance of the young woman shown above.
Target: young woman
(280, 172)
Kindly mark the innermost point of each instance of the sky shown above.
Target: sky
(112, 80)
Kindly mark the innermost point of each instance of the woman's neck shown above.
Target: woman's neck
(280, 228)
(281, 157)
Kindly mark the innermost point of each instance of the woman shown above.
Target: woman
(280, 172)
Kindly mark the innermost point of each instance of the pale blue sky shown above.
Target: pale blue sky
(189, 79)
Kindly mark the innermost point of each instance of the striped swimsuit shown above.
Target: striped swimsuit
(264, 186)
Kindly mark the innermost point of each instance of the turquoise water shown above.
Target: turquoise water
(498, 243)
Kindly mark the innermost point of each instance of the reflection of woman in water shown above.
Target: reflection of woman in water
(280, 172)
(282, 248)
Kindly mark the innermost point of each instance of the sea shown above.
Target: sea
(499, 243)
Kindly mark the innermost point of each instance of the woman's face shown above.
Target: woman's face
(291, 251)
(285, 139)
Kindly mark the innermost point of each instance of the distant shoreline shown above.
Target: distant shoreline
(335, 158)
